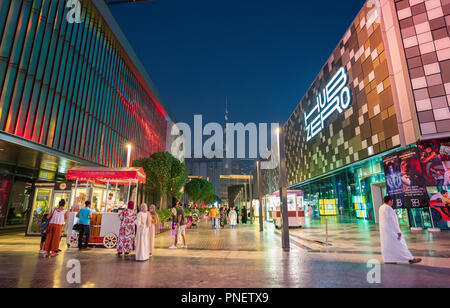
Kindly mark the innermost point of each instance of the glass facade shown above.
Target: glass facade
(345, 133)
(70, 94)
(71, 86)
(383, 87)
(346, 193)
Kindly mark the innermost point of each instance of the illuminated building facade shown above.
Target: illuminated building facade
(72, 92)
(385, 87)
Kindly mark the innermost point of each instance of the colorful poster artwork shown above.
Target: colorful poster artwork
(439, 203)
(413, 181)
(435, 160)
(394, 185)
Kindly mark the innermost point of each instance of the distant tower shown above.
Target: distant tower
(226, 111)
(226, 161)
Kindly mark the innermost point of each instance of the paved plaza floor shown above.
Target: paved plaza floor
(239, 258)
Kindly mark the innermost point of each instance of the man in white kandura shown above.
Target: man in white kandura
(393, 245)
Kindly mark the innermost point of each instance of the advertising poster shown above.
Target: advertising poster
(413, 181)
(439, 204)
(435, 159)
(394, 185)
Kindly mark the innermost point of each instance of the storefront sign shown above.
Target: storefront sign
(47, 175)
(63, 186)
(336, 97)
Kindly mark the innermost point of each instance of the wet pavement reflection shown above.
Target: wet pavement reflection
(239, 258)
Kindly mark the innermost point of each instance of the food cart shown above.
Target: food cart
(296, 211)
(104, 224)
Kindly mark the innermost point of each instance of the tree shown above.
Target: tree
(193, 190)
(212, 199)
(199, 190)
(178, 180)
(165, 174)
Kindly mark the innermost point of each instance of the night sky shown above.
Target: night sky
(262, 54)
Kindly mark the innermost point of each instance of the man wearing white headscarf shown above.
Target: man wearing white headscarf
(142, 235)
(393, 245)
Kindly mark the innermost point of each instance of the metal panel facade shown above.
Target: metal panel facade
(425, 30)
(367, 127)
(72, 87)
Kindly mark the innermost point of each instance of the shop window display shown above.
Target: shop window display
(41, 207)
(5, 189)
(346, 194)
(360, 203)
(327, 207)
(19, 201)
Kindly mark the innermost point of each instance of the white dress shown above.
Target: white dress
(142, 237)
(151, 235)
(233, 218)
(392, 249)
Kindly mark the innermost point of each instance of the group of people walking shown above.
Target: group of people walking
(224, 216)
(137, 231)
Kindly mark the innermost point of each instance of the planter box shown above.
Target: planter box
(163, 227)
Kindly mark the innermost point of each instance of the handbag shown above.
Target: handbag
(76, 227)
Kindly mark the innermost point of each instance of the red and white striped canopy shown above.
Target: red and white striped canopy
(107, 175)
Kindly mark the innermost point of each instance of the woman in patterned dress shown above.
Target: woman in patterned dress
(223, 218)
(127, 230)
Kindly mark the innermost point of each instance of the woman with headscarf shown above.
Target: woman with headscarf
(223, 218)
(233, 218)
(126, 233)
(244, 215)
(143, 222)
(154, 218)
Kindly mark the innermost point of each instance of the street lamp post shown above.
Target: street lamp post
(251, 198)
(129, 156)
(283, 191)
(261, 218)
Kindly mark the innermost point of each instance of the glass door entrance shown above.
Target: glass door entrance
(45, 200)
(58, 196)
(41, 207)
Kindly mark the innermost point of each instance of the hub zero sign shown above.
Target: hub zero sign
(336, 97)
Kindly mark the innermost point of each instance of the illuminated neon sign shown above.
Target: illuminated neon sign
(335, 97)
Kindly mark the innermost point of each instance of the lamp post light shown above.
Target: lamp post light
(129, 155)
(261, 218)
(283, 191)
(250, 188)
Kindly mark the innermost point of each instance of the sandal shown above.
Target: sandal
(415, 261)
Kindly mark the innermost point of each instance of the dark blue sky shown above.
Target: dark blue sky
(262, 54)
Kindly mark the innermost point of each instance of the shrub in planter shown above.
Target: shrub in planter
(164, 215)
